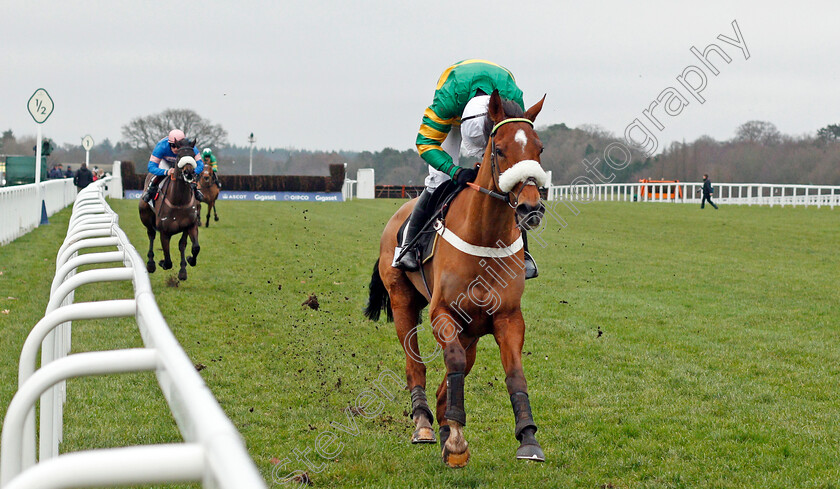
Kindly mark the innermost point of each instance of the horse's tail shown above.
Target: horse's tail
(379, 298)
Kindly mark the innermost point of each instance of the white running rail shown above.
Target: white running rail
(20, 206)
(213, 452)
(690, 192)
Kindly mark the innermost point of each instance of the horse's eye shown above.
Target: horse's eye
(499, 153)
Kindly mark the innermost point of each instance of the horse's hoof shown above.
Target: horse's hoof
(164, 265)
(207, 225)
(423, 435)
(456, 460)
(182, 275)
(150, 267)
(191, 261)
(530, 452)
(216, 218)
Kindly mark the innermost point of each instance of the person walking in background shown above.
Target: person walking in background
(707, 192)
(83, 177)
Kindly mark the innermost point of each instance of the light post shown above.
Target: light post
(251, 140)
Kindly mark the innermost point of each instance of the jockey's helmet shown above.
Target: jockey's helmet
(176, 135)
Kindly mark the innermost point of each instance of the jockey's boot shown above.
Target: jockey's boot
(216, 180)
(150, 192)
(415, 223)
(531, 270)
(198, 195)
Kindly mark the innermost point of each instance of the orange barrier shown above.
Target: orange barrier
(659, 189)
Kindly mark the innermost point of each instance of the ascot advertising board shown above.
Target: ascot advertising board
(265, 196)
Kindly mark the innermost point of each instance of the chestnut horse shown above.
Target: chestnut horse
(174, 212)
(475, 283)
(210, 190)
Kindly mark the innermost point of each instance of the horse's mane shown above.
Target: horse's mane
(511, 108)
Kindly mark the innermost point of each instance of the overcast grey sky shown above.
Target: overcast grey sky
(357, 75)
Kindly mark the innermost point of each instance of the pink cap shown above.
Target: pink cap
(176, 135)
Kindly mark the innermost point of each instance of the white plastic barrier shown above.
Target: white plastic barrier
(691, 192)
(348, 189)
(365, 188)
(213, 453)
(115, 187)
(20, 206)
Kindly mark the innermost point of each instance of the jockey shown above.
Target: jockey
(161, 162)
(210, 159)
(454, 123)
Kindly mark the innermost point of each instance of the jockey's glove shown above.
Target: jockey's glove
(465, 175)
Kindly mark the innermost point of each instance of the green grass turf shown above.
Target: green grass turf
(666, 347)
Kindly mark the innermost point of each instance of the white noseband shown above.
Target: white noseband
(186, 160)
(520, 172)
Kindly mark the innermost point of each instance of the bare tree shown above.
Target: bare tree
(758, 132)
(596, 131)
(144, 132)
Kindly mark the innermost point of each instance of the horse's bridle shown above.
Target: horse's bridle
(494, 168)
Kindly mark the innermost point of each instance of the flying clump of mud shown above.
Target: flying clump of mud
(312, 302)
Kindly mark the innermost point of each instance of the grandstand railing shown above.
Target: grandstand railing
(213, 452)
(770, 194)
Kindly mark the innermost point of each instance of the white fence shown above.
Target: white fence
(691, 192)
(20, 206)
(213, 452)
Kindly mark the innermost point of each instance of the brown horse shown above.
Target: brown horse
(174, 212)
(210, 190)
(475, 283)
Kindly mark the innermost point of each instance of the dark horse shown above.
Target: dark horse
(210, 190)
(174, 212)
(475, 283)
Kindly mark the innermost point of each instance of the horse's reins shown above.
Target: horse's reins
(494, 167)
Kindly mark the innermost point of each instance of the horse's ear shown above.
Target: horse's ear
(531, 114)
(495, 109)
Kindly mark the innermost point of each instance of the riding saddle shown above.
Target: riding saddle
(157, 199)
(437, 209)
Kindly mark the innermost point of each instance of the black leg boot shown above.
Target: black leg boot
(216, 179)
(415, 223)
(419, 405)
(525, 429)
